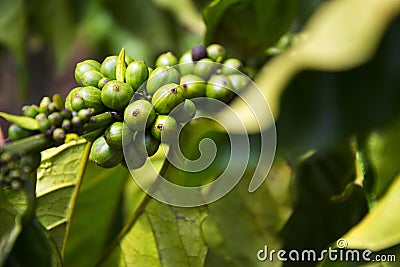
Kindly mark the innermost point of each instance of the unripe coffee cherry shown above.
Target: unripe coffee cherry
(162, 76)
(139, 115)
(168, 97)
(43, 122)
(199, 52)
(59, 135)
(136, 74)
(165, 128)
(186, 63)
(116, 95)
(115, 133)
(216, 52)
(166, 59)
(109, 66)
(86, 97)
(103, 155)
(84, 66)
(204, 68)
(55, 119)
(44, 103)
(91, 78)
(145, 143)
(239, 82)
(231, 66)
(185, 111)
(30, 111)
(219, 87)
(31, 162)
(193, 85)
(15, 132)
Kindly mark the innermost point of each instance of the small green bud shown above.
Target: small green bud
(59, 135)
(239, 82)
(186, 63)
(43, 122)
(55, 119)
(66, 125)
(231, 66)
(102, 82)
(204, 68)
(44, 103)
(30, 111)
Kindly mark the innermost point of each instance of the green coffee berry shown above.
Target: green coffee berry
(103, 155)
(16, 184)
(16, 132)
(231, 66)
(91, 78)
(166, 59)
(85, 114)
(68, 99)
(219, 87)
(161, 76)
(133, 158)
(145, 143)
(30, 111)
(109, 66)
(167, 97)
(84, 66)
(87, 97)
(198, 52)
(185, 111)
(116, 95)
(204, 68)
(66, 113)
(128, 59)
(115, 133)
(76, 121)
(43, 122)
(216, 52)
(55, 119)
(164, 128)
(59, 135)
(66, 125)
(44, 103)
(150, 70)
(136, 74)
(238, 81)
(139, 115)
(193, 85)
(102, 82)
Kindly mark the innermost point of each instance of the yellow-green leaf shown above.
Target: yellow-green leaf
(379, 228)
(22, 121)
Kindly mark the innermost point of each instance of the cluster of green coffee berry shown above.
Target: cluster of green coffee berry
(155, 93)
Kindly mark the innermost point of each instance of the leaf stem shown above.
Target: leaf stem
(139, 210)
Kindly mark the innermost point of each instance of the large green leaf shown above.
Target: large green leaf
(97, 206)
(59, 178)
(34, 247)
(246, 28)
(10, 226)
(162, 235)
(379, 229)
(242, 223)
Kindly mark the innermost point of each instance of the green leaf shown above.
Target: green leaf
(10, 226)
(328, 43)
(22, 121)
(58, 182)
(34, 247)
(96, 208)
(246, 28)
(162, 235)
(242, 223)
(378, 229)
